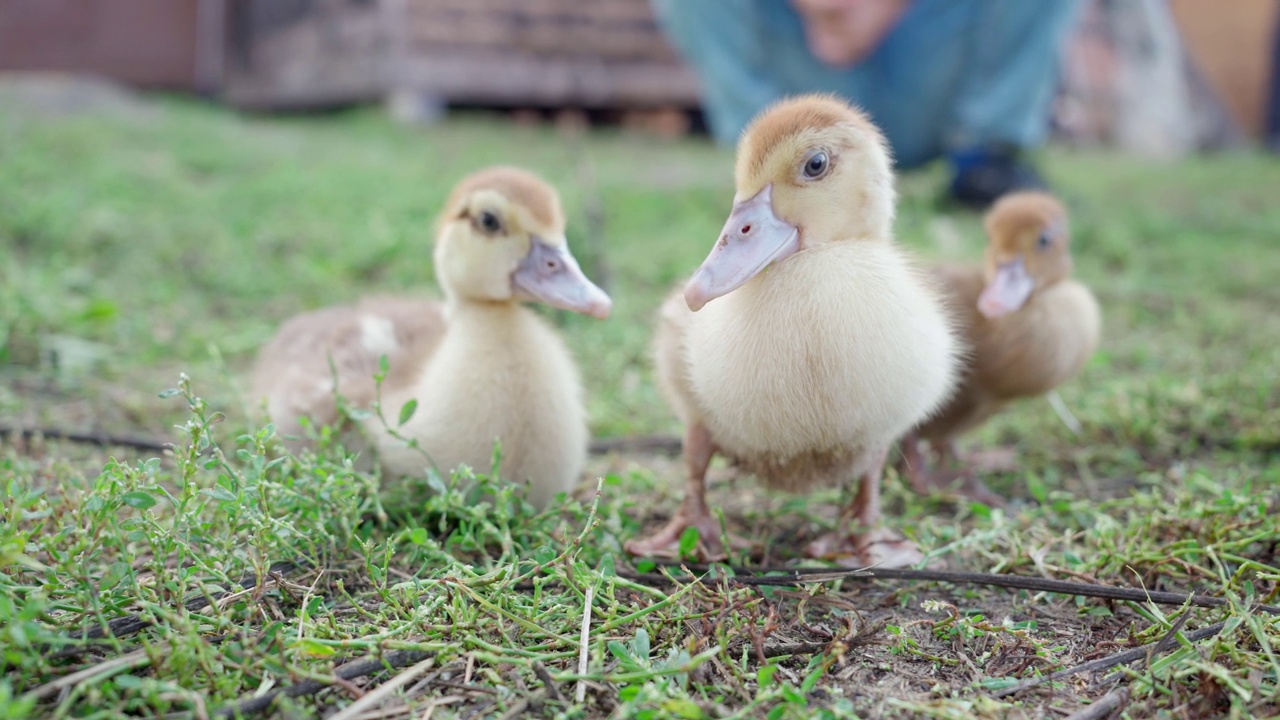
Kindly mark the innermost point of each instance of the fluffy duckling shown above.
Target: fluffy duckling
(806, 344)
(1031, 328)
(482, 367)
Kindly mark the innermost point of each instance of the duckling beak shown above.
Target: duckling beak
(550, 274)
(752, 239)
(1007, 291)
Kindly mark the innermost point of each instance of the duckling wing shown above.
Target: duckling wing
(1043, 345)
(959, 287)
(296, 371)
(670, 356)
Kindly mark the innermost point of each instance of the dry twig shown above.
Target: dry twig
(1108, 662)
(786, 577)
(666, 444)
(553, 688)
(134, 659)
(352, 670)
(380, 693)
(1103, 706)
(131, 624)
(91, 438)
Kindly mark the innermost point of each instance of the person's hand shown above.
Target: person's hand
(842, 32)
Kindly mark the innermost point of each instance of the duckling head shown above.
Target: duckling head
(501, 239)
(810, 170)
(1028, 249)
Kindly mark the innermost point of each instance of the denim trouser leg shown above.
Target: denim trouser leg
(952, 73)
(1011, 73)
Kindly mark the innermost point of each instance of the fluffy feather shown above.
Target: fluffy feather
(482, 368)
(1024, 353)
(805, 372)
(800, 376)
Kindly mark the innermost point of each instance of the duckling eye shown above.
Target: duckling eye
(816, 166)
(489, 222)
(1044, 241)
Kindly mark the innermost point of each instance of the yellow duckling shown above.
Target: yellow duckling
(806, 344)
(482, 367)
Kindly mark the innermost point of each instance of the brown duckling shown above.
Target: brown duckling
(1030, 328)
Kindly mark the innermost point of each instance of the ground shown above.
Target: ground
(147, 247)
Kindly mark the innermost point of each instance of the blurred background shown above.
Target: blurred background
(1143, 75)
(179, 176)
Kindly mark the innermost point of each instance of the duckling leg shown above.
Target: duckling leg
(693, 512)
(994, 460)
(945, 473)
(872, 543)
(913, 464)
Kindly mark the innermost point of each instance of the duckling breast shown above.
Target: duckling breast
(1041, 346)
(836, 352)
(507, 379)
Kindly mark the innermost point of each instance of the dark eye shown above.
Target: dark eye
(1045, 240)
(489, 222)
(816, 166)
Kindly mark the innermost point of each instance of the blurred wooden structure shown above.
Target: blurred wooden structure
(548, 53)
(298, 54)
(504, 53)
(304, 54)
(169, 44)
(1126, 75)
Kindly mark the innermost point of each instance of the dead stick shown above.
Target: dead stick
(1108, 662)
(1169, 638)
(799, 576)
(134, 623)
(666, 444)
(1103, 706)
(93, 672)
(553, 689)
(92, 438)
(350, 671)
(381, 693)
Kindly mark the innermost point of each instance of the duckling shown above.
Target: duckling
(482, 367)
(807, 343)
(1031, 328)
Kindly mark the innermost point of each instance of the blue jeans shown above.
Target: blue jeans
(950, 76)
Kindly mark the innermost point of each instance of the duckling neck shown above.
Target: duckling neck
(483, 310)
(498, 335)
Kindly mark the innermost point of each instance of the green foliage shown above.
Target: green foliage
(131, 250)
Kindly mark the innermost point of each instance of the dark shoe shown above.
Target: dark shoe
(983, 175)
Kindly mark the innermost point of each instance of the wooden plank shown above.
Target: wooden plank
(602, 53)
(503, 80)
(150, 43)
(334, 54)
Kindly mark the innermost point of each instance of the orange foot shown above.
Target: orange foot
(666, 542)
(880, 547)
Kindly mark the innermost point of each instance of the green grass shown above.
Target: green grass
(137, 247)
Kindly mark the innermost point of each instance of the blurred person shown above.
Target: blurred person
(969, 80)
